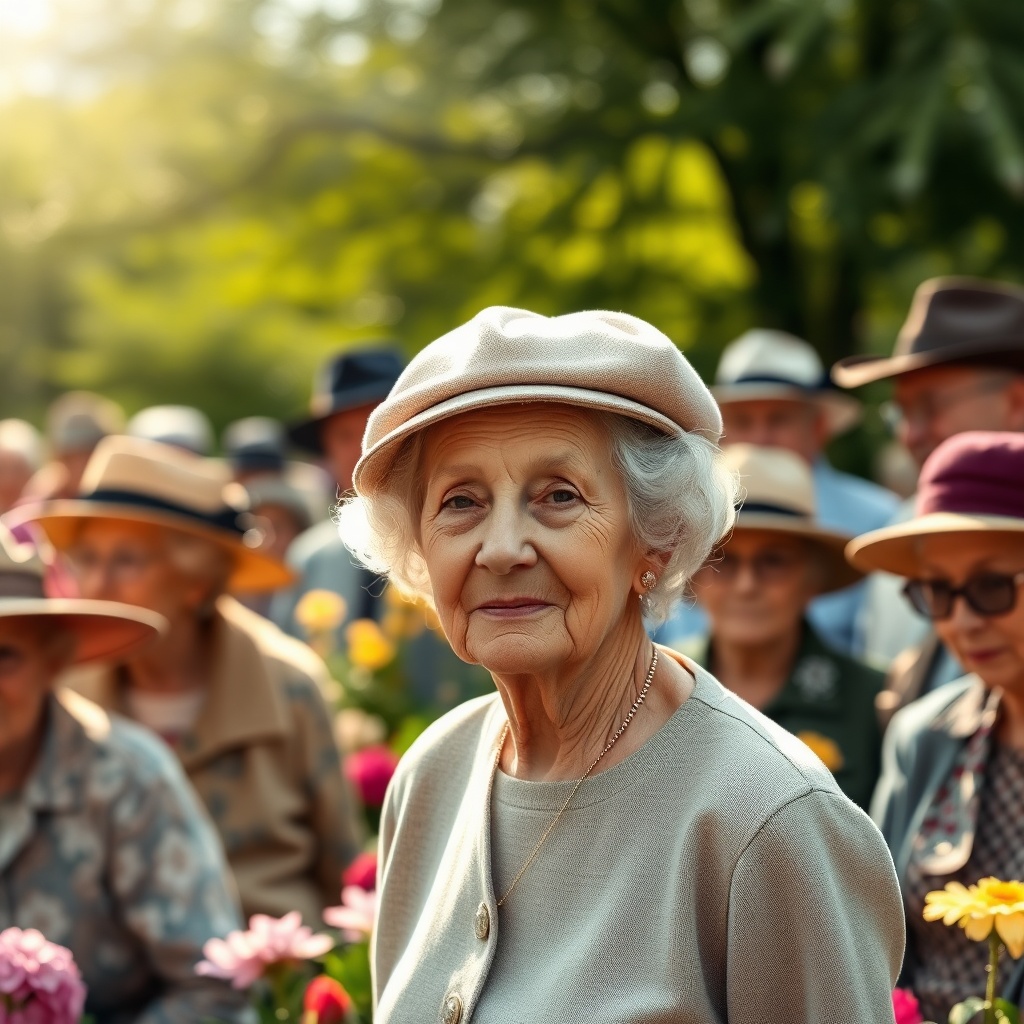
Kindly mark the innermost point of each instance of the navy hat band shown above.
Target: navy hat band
(230, 519)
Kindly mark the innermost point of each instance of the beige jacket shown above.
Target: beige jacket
(717, 875)
(263, 759)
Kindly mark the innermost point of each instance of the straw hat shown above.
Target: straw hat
(503, 356)
(130, 479)
(972, 483)
(778, 492)
(763, 364)
(102, 629)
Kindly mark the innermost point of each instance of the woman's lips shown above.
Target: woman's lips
(514, 608)
(981, 657)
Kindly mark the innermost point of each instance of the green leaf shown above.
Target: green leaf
(966, 1011)
(1007, 1012)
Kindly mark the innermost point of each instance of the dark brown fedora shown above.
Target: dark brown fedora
(951, 320)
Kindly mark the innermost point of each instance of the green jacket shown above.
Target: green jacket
(829, 703)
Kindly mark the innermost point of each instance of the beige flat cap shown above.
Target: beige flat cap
(612, 362)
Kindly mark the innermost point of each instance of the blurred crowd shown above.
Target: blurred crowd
(150, 582)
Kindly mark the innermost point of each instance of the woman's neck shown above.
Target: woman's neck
(176, 663)
(559, 722)
(756, 672)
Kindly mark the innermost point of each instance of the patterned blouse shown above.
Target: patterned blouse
(106, 850)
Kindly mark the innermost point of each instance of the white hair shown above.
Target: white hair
(680, 495)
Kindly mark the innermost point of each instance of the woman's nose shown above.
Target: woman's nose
(506, 544)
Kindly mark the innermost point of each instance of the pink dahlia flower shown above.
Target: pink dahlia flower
(370, 771)
(362, 872)
(355, 915)
(905, 1007)
(39, 980)
(243, 957)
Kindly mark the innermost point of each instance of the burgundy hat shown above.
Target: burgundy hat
(971, 483)
(951, 320)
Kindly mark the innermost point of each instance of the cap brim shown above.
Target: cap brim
(103, 630)
(842, 412)
(831, 544)
(895, 548)
(252, 571)
(373, 468)
(305, 434)
(855, 371)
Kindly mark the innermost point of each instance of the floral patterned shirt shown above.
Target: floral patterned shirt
(107, 851)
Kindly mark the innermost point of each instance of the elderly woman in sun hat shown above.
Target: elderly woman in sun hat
(953, 762)
(761, 645)
(611, 836)
(241, 703)
(103, 845)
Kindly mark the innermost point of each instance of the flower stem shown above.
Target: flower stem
(994, 946)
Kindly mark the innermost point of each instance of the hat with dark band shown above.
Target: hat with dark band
(951, 320)
(130, 479)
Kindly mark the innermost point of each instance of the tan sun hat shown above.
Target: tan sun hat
(103, 630)
(778, 497)
(135, 480)
(612, 362)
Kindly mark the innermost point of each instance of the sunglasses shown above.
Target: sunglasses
(988, 593)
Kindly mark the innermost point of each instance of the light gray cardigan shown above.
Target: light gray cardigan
(717, 875)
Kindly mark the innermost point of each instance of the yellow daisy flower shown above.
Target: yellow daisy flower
(320, 611)
(368, 646)
(992, 903)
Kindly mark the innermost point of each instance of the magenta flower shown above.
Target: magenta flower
(905, 1007)
(370, 771)
(362, 872)
(355, 915)
(39, 980)
(243, 957)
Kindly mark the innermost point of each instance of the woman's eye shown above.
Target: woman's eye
(563, 497)
(459, 501)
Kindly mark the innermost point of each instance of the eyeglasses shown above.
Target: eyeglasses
(933, 404)
(988, 593)
(766, 566)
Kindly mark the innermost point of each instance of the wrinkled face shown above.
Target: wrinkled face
(29, 663)
(526, 535)
(342, 437)
(130, 562)
(991, 646)
(797, 426)
(756, 590)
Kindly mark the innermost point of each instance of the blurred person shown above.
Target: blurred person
(21, 455)
(345, 391)
(952, 780)
(104, 847)
(255, 446)
(958, 365)
(611, 835)
(773, 391)
(181, 426)
(240, 702)
(756, 590)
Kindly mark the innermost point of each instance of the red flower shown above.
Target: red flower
(370, 771)
(361, 872)
(327, 999)
(905, 1007)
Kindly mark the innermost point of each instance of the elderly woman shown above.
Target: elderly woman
(103, 846)
(953, 763)
(761, 645)
(613, 836)
(240, 703)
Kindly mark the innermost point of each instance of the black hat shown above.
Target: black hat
(951, 320)
(256, 444)
(352, 379)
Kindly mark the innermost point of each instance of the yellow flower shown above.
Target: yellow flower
(979, 908)
(826, 749)
(320, 611)
(368, 647)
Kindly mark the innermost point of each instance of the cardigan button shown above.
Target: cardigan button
(452, 1012)
(482, 922)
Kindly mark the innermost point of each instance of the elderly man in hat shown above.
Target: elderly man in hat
(958, 365)
(773, 392)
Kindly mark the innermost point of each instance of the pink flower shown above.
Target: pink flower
(370, 771)
(243, 957)
(355, 915)
(39, 979)
(362, 872)
(905, 1007)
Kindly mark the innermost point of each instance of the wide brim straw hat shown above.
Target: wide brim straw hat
(777, 491)
(972, 484)
(773, 365)
(135, 480)
(102, 630)
(605, 361)
(951, 320)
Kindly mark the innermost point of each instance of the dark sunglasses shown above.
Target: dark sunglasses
(988, 593)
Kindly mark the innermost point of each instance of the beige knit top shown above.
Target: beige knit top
(717, 875)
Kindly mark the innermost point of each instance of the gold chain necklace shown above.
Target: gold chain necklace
(568, 799)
